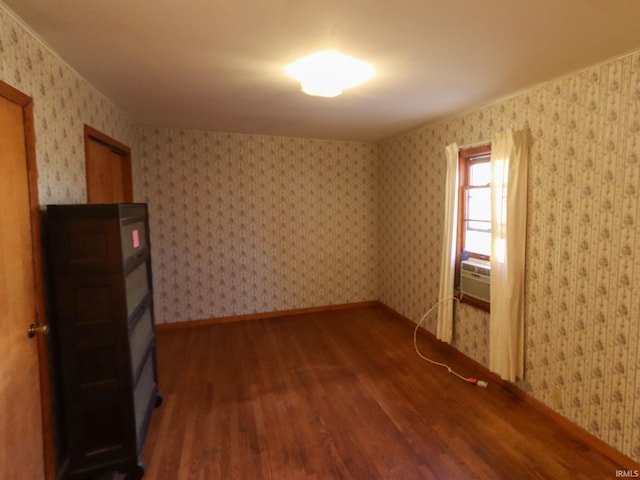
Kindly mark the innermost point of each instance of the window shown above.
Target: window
(475, 203)
(474, 214)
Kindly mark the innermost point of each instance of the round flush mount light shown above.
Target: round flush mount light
(328, 73)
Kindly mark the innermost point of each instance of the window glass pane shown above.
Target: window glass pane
(478, 203)
(478, 242)
(480, 173)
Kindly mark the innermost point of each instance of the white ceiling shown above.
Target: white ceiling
(217, 64)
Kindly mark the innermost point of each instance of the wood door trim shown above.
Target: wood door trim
(91, 134)
(26, 102)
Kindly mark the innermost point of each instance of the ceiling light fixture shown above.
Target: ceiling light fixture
(328, 73)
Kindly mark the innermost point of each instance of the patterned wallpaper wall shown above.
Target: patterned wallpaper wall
(63, 103)
(248, 223)
(583, 240)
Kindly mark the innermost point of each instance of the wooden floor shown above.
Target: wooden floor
(341, 395)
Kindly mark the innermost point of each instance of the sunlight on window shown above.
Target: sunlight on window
(477, 222)
(480, 174)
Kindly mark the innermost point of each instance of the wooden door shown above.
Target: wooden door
(108, 168)
(25, 434)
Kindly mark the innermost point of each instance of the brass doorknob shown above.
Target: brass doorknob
(37, 329)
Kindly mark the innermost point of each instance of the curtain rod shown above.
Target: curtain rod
(482, 143)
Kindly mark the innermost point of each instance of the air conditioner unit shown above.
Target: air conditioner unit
(475, 278)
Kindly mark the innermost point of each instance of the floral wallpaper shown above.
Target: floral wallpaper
(62, 103)
(248, 223)
(582, 280)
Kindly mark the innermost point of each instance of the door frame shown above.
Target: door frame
(93, 135)
(26, 102)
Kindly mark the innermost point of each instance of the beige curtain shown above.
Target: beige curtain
(509, 160)
(444, 329)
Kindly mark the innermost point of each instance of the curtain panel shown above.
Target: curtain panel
(444, 328)
(509, 164)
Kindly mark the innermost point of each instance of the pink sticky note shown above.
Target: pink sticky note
(135, 236)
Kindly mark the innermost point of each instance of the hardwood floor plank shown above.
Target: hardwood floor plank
(342, 395)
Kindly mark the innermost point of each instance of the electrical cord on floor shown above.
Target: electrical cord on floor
(473, 381)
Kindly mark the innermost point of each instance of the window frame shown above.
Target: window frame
(467, 158)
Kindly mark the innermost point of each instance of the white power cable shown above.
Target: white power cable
(480, 383)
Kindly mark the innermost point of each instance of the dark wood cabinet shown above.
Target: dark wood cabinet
(103, 326)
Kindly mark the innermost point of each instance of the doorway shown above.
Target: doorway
(108, 168)
(26, 448)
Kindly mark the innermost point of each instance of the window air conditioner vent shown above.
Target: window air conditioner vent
(475, 279)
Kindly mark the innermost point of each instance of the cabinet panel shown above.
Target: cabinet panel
(93, 304)
(143, 394)
(140, 341)
(88, 247)
(137, 286)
